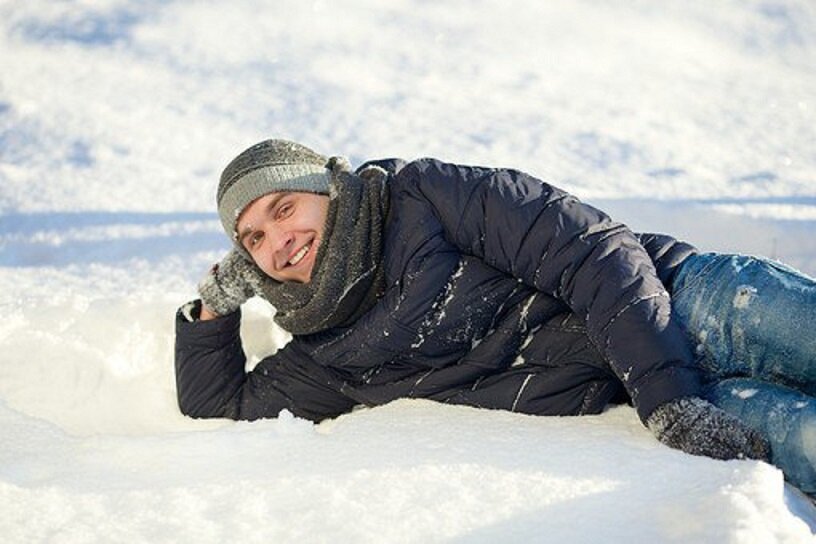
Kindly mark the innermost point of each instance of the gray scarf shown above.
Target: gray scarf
(348, 276)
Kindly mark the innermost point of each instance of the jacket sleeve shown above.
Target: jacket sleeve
(548, 239)
(667, 254)
(211, 380)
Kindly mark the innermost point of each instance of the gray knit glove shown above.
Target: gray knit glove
(696, 426)
(229, 284)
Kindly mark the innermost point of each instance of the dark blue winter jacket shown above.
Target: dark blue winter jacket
(502, 292)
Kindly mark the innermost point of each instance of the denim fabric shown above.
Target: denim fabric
(785, 416)
(753, 325)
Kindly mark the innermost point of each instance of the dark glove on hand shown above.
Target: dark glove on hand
(229, 284)
(696, 426)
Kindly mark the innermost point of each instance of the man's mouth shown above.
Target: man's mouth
(297, 257)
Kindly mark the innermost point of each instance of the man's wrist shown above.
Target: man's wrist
(206, 314)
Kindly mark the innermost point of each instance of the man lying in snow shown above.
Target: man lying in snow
(490, 288)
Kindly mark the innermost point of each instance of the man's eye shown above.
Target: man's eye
(284, 211)
(255, 239)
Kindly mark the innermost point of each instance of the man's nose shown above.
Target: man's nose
(280, 245)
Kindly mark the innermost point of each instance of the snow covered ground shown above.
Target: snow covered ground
(116, 116)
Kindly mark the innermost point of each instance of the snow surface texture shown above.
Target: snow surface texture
(116, 117)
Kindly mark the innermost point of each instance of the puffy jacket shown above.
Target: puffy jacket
(502, 291)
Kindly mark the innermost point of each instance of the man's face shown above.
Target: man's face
(282, 231)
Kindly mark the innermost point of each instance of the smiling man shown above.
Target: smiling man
(282, 233)
(273, 201)
(491, 288)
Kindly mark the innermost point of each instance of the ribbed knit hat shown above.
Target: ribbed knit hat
(267, 167)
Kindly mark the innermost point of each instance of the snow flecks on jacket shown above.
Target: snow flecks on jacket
(419, 381)
(626, 373)
(437, 312)
(525, 310)
(660, 294)
(520, 391)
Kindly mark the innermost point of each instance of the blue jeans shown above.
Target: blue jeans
(752, 323)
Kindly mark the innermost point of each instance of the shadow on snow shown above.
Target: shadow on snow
(66, 238)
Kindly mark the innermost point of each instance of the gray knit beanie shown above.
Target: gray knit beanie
(267, 167)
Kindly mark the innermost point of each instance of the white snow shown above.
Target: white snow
(744, 393)
(745, 293)
(116, 117)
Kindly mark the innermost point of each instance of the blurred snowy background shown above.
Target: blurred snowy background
(688, 117)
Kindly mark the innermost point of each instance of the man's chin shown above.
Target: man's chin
(300, 281)
(302, 277)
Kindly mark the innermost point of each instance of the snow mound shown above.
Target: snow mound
(411, 471)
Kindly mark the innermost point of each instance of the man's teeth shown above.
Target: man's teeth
(299, 255)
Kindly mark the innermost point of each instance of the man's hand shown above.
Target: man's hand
(227, 285)
(696, 426)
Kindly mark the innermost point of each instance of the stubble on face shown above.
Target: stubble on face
(282, 233)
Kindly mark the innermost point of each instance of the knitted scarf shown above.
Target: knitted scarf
(348, 276)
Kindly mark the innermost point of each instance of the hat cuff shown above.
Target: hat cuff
(307, 178)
